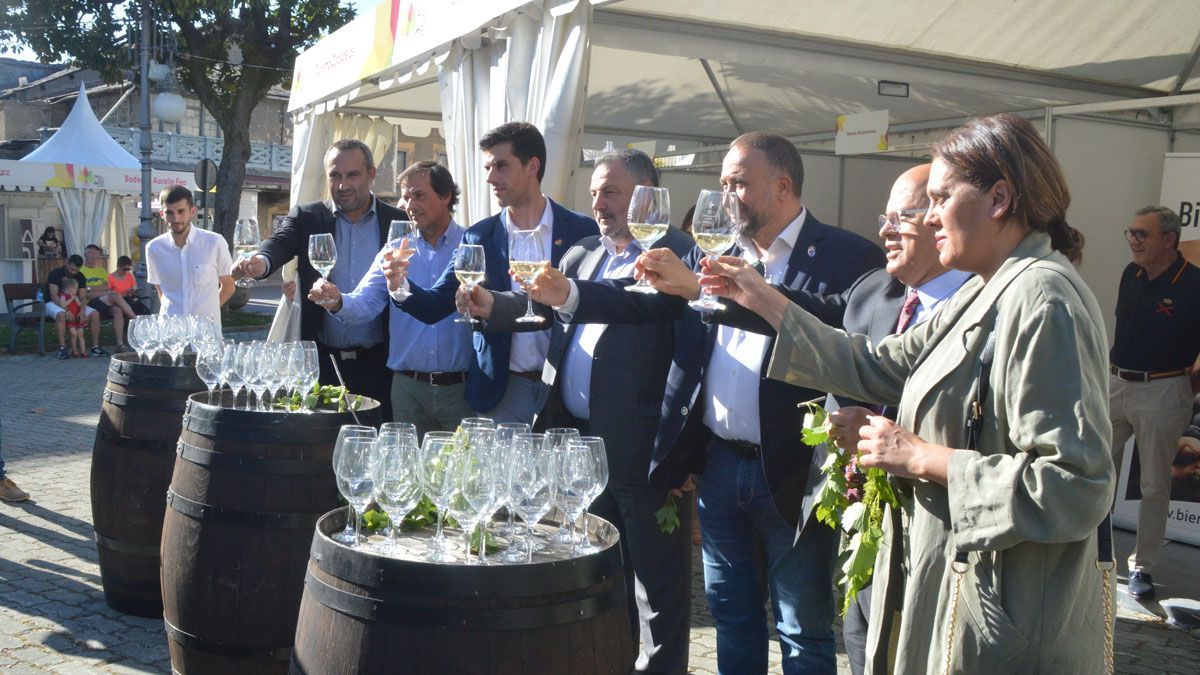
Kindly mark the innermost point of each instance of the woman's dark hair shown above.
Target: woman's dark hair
(50, 232)
(1007, 147)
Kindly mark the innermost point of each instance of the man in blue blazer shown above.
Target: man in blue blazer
(612, 381)
(758, 473)
(504, 380)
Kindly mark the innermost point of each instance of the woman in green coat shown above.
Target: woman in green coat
(1024, 505)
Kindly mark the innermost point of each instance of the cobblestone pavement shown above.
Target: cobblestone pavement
(52, 612)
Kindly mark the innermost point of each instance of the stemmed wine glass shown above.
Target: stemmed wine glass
(469, 268)
(599, 458)
(575, 482)
(247, 369)
(322, 253)
(346, 536)
(533, 482)
(436, 448)
(135, 335)
(354, 466)
(527, 256)
(208, 365)
(473, 498)
(245, 245)
(304, 369)
(400, 233)
(254, 374)
(174, 337)
(649, 218)
(556, 440)
(231, 369)
(398, 480)
(505, 433)
(714, 227)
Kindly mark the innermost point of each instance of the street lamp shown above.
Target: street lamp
(145, 230)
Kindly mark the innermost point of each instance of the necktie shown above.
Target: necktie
(908, 312)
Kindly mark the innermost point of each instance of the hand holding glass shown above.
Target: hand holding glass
(714, 227)
(245, 245)
(649, 218)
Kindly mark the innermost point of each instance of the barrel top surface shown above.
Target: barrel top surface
(126, 368)
(205, 418)
(551, 566)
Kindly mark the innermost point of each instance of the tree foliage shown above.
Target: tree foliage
(103, 35)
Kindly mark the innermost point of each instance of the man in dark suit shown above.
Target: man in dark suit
(504, 380)
(759, 479)
(359, 225)
(908, 291)
(612, 381)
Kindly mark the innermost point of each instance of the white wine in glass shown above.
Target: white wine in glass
(714, 227)
(402, 236)
(649, 218)
(527, 257)
(245, 245)
(470, 269)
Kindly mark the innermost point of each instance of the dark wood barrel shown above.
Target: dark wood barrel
(364, 613)
(247, 489)
(132, 460)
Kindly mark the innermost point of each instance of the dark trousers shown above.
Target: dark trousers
(854, 631)
(365, 371)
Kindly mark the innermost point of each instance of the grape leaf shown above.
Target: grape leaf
(668, 515)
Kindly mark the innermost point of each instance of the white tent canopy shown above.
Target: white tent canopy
(87, 170)
(704, 70)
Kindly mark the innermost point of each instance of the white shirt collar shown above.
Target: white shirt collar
(546, 223)
(780, 249)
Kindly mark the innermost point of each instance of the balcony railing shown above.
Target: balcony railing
(184, 149)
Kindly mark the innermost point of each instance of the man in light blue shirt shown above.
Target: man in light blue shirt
(429, 361)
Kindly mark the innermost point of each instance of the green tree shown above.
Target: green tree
(103, 35)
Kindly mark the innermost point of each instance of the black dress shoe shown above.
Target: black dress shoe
(1141, 586)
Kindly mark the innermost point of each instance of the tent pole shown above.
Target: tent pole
(145, 223)
(716, 85)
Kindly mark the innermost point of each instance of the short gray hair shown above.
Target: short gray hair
(1168, 220)
(637, 163)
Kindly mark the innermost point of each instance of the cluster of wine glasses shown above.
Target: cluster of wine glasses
(173, 335)
(263, 370)
(471, 474)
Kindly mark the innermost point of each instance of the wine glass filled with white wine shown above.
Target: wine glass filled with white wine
(714, 227)
(245, 245)
(469, 268)
(322, 253)
(526, 257)
(649, 218)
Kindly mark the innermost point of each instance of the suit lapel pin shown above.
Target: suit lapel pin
(812, 251)
(558, 242)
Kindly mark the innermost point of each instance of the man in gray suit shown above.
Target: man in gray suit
(612, 381)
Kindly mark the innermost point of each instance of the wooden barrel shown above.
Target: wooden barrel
(131, 468)
(247, 489)
(364, 613)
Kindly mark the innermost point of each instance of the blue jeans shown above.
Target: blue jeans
(735, 509)
(521, 401)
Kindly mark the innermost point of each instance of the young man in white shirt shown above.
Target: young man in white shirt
(189, 267)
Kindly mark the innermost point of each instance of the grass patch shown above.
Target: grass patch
(27, 338)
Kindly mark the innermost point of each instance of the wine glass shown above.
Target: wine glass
(505, 433)
(174, 337)
(599, 457)
(469, 268)
(354, 466)
(575, 474)
(402, 237)
(231, 369)
(252, 373)
(556, 440)
(304, 369)
(346, 536)
(436, 448)
(474, 490)
(649, 218)
(322, 253)
(407, 430)
(245, 245)
(714, 227)
(151, 329)
(398, 484)
(273, 371)
(135, 335)
(485, 422)
(527, 256)
(533, 483)
(208, 365)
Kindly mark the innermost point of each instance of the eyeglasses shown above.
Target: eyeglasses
(1140, 236)
(891, 221)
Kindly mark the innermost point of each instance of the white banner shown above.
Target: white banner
(18, 175)
(861, 133)
(1181, 193)
(1183, 517)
